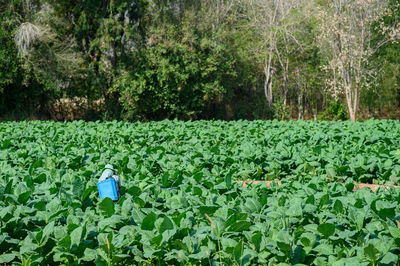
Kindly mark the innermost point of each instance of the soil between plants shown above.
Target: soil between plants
(356, 185)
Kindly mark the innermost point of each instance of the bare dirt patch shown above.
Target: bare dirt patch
(356, 186)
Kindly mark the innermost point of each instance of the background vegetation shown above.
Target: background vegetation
(187, 59)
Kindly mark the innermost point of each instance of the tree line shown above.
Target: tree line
(209, 59)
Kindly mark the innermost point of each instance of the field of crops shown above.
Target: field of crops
(180, 200)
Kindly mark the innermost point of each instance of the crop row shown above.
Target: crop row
(368, 152)
(199, 220)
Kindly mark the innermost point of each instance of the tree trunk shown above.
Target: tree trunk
(300, 105)
(353, 116)
(285, 95)
(284, 107)
(268, 80)
(270, 91)
(351, 99)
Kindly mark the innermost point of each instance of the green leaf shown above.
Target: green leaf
(283, 241)
(256, 240)
(310, 200)
(107, 207)
(65, 242)
(168, 234)
(389, 258)
(126, 207)
(48, 229)
(89, 254)
(330, 172)
(78, 187)
(76, 236)
(349, 186)
(387, 213)
(209, 210)
(148, 221)
(87, 192)
(308, 239)
(166, 224)
(394, 231)
(228, 180)
(236, 216)
(371, 252)
(200, 255)
(8, 188)
(134, 191)
(264, 199)
(106, 241)
(237, 251)
(324, 249)
(40, 178)
(6, 144)
(137, 215)
(228, 243)
(324, 200)
(252, 205)
(29, 182)
(6, 258)
(165, 180)
(24, 197)
(338, 206)
(295, 210)
(239, 226)
(388, 164)
(326, 229)
(358, 216)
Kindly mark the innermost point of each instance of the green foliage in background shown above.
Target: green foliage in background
(144, 60)
(335, 111)
(174, 80)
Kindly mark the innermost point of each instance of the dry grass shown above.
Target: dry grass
(68, 109)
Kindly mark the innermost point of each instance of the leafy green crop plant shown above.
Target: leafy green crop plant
(180, 203)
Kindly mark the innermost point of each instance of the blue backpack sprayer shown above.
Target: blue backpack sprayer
(109, 184)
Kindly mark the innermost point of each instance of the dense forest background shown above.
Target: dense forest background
(191, 59)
